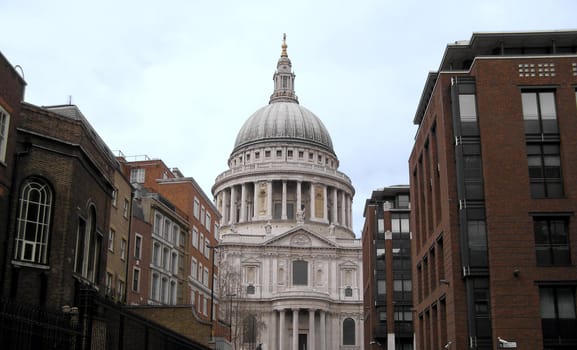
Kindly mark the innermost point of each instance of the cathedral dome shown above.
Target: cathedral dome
(284, 121)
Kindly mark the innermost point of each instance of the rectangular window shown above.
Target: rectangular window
(114, 197)
(552, 241)
(137, 246)
(196, 208)
(400, 222)
(539, 112)
(467, 108)
(193, 267)
(137, 175)
(202, 215)
(558, 315)
(403, 201)
(205, 277)
(206, 249)
(208, 221)
(278, 153)
(544, 162)
(201, 244)
(381, 287)
(195, 237)
(120, 290)
(108, 283)
(111, 235)
(156, 254)
(136, 280)
(154, 287)
(123, 249)
(300, 273)
(4, 129)
(125, 208)
(157, 224)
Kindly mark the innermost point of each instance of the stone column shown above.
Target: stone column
(269, 200)
(350, 212)
(323, 330)
(335, 206)
(281, 329)
(299, 199)
(242, 203)
(326, 204)
(232, 218)
(283, 216)
(311, 329)
(255, 202)
(343, 209)
(225, 199)
(295, 329)
(312, 205)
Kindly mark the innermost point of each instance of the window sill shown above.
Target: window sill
(29, 264)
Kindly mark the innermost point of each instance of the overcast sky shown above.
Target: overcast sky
(177, 79)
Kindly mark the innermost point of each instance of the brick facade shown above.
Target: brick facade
(476, 203)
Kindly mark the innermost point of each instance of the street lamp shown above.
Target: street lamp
(212, 247)
(230, 315)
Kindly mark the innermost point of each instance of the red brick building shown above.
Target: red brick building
(387, 289)
(494, 198)
(11, 95)
(201, 217)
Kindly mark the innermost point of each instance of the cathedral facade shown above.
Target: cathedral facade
(289, 257)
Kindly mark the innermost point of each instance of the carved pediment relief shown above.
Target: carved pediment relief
(301, 240)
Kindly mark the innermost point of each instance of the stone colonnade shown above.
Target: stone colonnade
(284, 200)
(286, 337)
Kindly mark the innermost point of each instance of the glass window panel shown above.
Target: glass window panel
(547, 104)
(529, 101)
(467, 107)
(566, 301)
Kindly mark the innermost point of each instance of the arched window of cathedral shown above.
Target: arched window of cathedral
(300, 273)
(349, 331)
(348, 292)
(35, 205)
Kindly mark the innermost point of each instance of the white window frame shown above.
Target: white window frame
(123, 245)
(111, 236)
(137, 246)
(136, 272)
(137, 175)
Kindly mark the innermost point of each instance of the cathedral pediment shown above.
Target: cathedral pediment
(300, 238)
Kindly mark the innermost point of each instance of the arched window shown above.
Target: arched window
(349, 331)
(250, 289)
(34, 213)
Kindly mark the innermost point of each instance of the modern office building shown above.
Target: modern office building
(387, 285)
(494, 196)
(286, 230)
